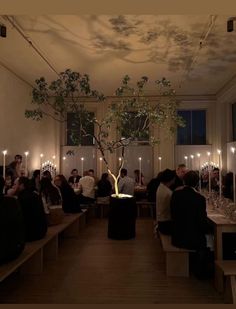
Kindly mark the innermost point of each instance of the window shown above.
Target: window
(234, 121)
(74, 134)
(133, 127)
(194, 132)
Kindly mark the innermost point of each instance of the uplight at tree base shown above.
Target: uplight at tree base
(121, 195)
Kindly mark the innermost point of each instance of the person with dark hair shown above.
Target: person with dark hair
(215, 179)
(12, 229)
(52, 201)
(163, 197)
(139, 179)
(33, 210)
(126, 183)
(15, 167)
(70, 201)
(35, 181)
(190, 224)
(228, 186)
(104, 186)
(47, 174)
(152, 187)
(74, 178)
(180, 171)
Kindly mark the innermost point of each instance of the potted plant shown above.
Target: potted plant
(69, 93)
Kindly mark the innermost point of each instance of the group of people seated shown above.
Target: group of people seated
(181, 213)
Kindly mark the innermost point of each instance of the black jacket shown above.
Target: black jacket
(188, 211)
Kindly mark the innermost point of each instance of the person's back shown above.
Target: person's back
(12, 229)
(87, 186)
(188, 212)
(104, 186)
(152, 187)
(126, 184)
(33, 211)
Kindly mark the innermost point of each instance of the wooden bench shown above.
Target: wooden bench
(31, 259)
(103, 204)
(90, 210)
(142, 204)
(177, 259)
(228, 269)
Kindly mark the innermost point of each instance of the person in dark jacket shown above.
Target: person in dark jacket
(104, 186)
(32, 209)
(152, 187)
(74, 178)
(189, 220)
(70, 201)
(179, 175)
(12, 229)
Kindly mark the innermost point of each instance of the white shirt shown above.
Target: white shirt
(163, 197)
(87, 186)
(126, 185)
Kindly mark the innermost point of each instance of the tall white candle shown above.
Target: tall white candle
(41, 159)
(209, 171)
(186, 161)
(159, 158)
(140, 170)
(82, 166)
(220, 172)
(233, 151)
(100, 166)
(4, 163)
(53, 159)
(192, 157)
(199, 171)
(26, 163)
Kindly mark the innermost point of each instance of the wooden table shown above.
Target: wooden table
(222, 224)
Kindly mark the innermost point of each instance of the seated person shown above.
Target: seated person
(139, 180)
(215, 179)
(70, 201)
(12, 228)
(163, 197)
(74, 178)
(228, 186)
(35, 181)
(126, 183)
(52, 201)
(179, 174)
(152, 188)
(86, 188)
(32, 209)
(15, 167)
(104, 187)
(190, 224)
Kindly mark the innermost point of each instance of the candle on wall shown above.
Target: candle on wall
(199, 171)
(220, 172)
(209, 171)
(140, 170)
(100, 166)
(186, 161)
(53, 159)
(233, 151)
(192, 157)
(26, 162)
(64, 158)
(82, 166)
(4, 163)
(159, 158)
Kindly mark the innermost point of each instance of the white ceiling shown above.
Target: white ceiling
(195, 52)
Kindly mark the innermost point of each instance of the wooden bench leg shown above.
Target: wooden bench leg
(72, 230)
(50, 250)
(177, 264)
(34, 265)
(219, 279)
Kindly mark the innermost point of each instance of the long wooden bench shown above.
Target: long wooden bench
(177, 259)
(31, 259)
(228, 269)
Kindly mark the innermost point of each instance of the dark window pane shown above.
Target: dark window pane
(184, 134)
(234, 121)
(199, 127)
(194, 132)
(74, 134)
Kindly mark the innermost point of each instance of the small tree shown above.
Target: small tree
(69, 92)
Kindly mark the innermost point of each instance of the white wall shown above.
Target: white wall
(18, 134)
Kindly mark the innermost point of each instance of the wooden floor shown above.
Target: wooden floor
(94, 269)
